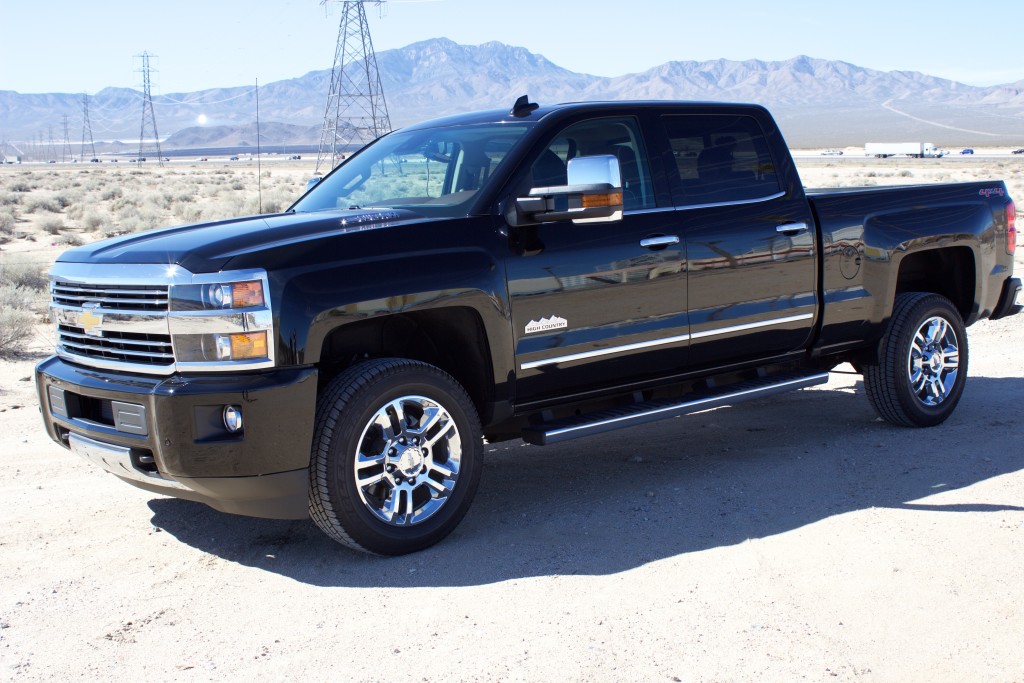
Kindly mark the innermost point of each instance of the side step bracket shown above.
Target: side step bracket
(650, 411)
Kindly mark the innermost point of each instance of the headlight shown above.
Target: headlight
(217, 296)
(223, 322)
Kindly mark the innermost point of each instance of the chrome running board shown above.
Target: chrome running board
(651, 411)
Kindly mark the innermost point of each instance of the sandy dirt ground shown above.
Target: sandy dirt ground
(798, 538)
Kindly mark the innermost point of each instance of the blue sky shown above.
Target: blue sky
(64, 46)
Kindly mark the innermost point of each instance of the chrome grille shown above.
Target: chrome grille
(149, 298)
(125, 347)
(118, 317)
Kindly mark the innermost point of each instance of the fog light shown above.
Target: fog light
(233, 418)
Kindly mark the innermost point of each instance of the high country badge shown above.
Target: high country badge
(546, 324)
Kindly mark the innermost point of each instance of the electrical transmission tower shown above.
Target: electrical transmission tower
(147, 113)
(87, 130)
(356, 112)
(51, 148)
(65, 150)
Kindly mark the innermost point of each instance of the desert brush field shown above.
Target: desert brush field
(46, 208)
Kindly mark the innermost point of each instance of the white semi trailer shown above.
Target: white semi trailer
(917, 150)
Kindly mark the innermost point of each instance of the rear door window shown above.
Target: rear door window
(720, 159)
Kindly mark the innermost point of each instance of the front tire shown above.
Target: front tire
(922, 362)
(397, 456)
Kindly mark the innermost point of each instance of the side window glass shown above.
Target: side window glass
(720, 159)
(618, 137)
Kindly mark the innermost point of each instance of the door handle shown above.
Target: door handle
(659, 241)
(790, 229)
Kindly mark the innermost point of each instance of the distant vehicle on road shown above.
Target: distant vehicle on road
(832, 153)
(233, 158)
(299, 156)
(1019, 150)
(916, 150)
(967, 150)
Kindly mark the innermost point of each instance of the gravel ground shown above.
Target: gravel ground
(793, 539)
(797, 538)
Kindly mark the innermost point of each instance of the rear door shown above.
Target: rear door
(750, 239)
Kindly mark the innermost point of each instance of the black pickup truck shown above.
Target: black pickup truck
(543, 273)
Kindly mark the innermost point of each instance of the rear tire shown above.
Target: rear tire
(922, 362)
(397, 456)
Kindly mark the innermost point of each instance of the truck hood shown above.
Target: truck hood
(208, 247)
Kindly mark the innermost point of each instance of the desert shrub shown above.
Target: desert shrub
(42, 203)
(20, 186)
(906, 174)
(70, 239)
(128, 219)
(121, 203)
(154, 201)
(111, 193)
(7, 221)
(20, 271)
(9, 199)
(53, 226)
(15, 328)
(92, 221)
(272, 206)
(188, 213)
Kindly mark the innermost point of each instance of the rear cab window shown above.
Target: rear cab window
(720, 159)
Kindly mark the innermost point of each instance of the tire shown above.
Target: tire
(380, 481)
(922, 362)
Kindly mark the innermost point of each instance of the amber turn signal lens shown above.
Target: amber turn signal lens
(247, 294)
(253, 345)
(594, 200)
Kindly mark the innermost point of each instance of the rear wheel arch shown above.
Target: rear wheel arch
(949, 272)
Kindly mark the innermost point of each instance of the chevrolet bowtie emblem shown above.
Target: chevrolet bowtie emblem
(91, 319)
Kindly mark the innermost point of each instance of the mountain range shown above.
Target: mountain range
(817, 102)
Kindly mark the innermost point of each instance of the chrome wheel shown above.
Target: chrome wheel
(407, 462)
(933, 361)
(920, 370)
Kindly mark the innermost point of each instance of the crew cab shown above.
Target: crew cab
(543, 273)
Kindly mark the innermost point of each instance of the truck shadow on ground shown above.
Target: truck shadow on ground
(613, 502)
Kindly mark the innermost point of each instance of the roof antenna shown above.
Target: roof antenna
(523, 107)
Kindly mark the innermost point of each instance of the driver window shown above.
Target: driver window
(617, 137)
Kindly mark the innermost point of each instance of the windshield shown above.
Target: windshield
(434, 171)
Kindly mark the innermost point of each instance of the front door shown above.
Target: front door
(597, 304)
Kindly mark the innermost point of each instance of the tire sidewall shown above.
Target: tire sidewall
(365, 528)
(920, 311)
